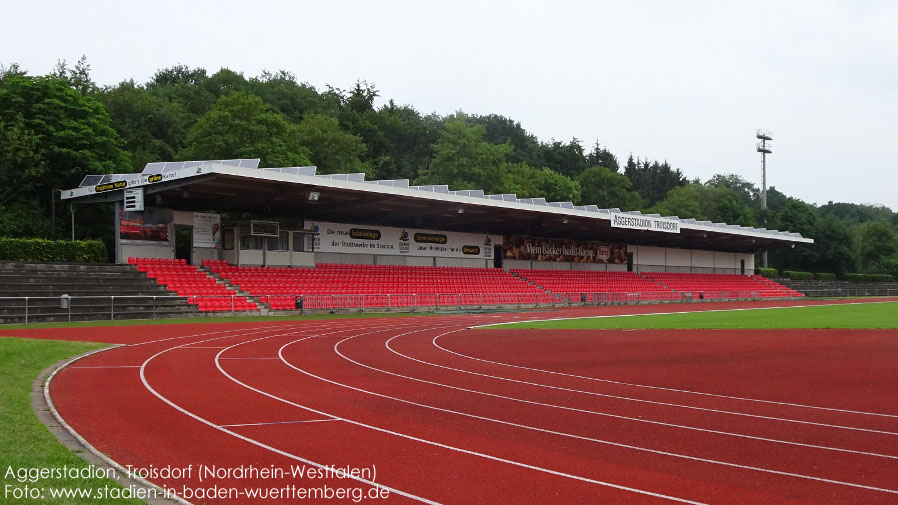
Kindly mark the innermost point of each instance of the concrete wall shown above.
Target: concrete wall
(461, 262)
(421, 261)
(303, 259)
(145, 251)
(550, 265)
(594, 267)
(251, 257)
(659, 259)
(356, 259)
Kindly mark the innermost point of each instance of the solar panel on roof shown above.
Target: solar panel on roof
(90, 180)
(159, 167)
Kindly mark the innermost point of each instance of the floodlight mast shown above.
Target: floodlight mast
(764, 147)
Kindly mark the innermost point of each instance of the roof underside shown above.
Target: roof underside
(284, 193)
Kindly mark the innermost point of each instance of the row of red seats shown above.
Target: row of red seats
(721, 283)
(406, 285)
(193, 284)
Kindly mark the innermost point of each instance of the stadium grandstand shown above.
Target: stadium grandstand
(340, 241)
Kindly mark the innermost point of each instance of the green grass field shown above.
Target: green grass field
(25, 443)
(859, 315)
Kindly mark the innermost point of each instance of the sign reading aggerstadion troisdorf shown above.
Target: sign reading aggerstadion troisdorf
(363, 239)
(636, 222)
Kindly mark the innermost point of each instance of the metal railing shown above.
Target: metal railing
(95, 308)
(845, 292)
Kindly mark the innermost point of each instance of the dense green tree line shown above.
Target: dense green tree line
(56, 128)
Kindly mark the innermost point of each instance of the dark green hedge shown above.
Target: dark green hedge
(822, 276)
(869, 278)
(767, 272)
(40, 250)
(798, 276)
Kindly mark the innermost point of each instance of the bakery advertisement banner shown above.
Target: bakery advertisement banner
(571, 251)
(364, 239)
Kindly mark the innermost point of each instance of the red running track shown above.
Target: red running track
(448, 414)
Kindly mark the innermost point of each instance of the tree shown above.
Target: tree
(500, 129)
(411, 137)
(331, 149)
(71, 132)
(242, 126)
(284, 95)
(602, 187)
(853, 213)
(878, 242)
(464, 160)
(602, 157)
(653, 180)
(798, 217)
(836, 250)
(694, 201)
(153, 128)
(183, 84)
(530, 182)
(566, 159)
(747, 192)
(224, 82)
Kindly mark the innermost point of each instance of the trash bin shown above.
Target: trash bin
(65, 301)
(298, 301)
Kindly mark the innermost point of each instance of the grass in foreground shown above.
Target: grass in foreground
(860, 315)
(24, 441)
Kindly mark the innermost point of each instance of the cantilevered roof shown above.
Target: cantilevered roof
(239, 186)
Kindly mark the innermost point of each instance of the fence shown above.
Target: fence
(849, 292)
(95, 308)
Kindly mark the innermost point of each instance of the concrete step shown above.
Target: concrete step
(20, 266)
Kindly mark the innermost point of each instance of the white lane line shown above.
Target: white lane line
(277, 422)
(660, 388)
(578, 437)
(253, 441)
(680, 312)
(438, 444)
(107, 366)
(202, 347)
(248, 331)
(597, 413)
(271, 357)
(640, 400)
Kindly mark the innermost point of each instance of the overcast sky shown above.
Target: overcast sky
(685, 81)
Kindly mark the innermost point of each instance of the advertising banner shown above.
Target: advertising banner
(206, 230)
(350, 238)
(149, 225)
(634, 222)
(572, 251)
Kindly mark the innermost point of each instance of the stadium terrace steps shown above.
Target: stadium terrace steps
(196, 286)
(841, 288)
(90, 285)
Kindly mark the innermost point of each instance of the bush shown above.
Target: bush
(40, 250)
(767, 272)
(869, 278)
(798, 276)
(820, 276)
